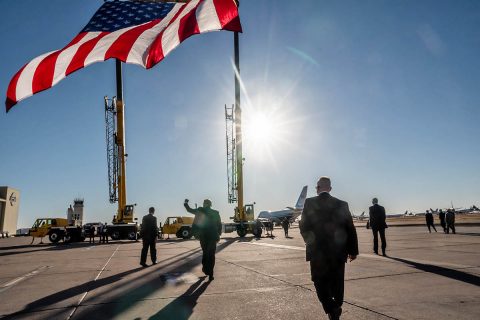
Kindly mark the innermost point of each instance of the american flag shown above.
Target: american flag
(139, 32)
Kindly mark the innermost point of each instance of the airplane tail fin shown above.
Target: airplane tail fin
(301, 199)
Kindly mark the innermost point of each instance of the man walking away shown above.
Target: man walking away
(441, 216)
(429, 220)
(208, 230)
(148, 232)
(91, 234)
(285, 225)
(330, 237)
(104, 233)
(450, 217)
(378, 224)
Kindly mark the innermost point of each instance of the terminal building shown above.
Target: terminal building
(9, 204)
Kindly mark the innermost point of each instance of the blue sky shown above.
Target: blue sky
(381, 96)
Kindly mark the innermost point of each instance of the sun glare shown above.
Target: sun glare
(266, 134)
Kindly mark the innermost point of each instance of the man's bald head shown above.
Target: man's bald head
(324, 185)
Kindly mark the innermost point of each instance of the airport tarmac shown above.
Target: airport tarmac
(425, 276)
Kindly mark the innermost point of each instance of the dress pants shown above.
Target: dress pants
(328, 279)
(148, 243)
(208, 259)
(382, 238)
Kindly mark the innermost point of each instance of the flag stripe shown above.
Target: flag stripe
(188, 26)
(43, 75)
(227, 12)
(170, 37)
(78, 59)
(207, 17)
(11, 91)
(122, 46)
(141, 48)
(24, 83)
(65, 57)
(100, 49)
(155, 53)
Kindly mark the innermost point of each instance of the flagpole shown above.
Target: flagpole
(120, 108)
(238, 130)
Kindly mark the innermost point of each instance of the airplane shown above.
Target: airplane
(360, 217)
(291, 213)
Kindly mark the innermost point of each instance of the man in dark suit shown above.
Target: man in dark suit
(330, 237)
(208, 229)
(149, 233)
(378, 224)
(429, 220)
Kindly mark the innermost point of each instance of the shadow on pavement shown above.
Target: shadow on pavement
(182, 307)
(43, 247)
(442, 271)
(123, 296)
(469, 234)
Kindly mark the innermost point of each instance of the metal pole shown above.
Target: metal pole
(238, 130)
(122, 185)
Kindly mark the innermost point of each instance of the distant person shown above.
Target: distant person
(208, 230)
(378, 225)
(104, 233)
(450, 218)
(429, 220)
(441, 216)
(285, 225)
(330, 237)
(91, 234)
(149, 232)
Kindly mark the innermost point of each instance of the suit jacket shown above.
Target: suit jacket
(328, 230)
(377, 217)
(207, 223)
(149, 229)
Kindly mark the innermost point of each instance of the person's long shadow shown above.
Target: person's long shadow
(46, 302)
(182, 307)
(442, 271)
(71, 292)
(142, 287)
(469, 234)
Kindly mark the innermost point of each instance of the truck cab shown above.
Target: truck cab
(46, 226)
(181, 227)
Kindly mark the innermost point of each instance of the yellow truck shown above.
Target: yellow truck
(181, 227)
(56, 229)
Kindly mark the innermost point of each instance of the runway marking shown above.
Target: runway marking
(369, 256)
(11, 283)
(96, 278)
(280, 246)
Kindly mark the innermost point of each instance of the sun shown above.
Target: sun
(263, 129)
(265, 134)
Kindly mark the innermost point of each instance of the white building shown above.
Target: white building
(9, 204)
(75, 214)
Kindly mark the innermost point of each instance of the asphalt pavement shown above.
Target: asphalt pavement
(424, 276)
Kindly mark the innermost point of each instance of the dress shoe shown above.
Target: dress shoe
(210, 278)
(143, 264)
(335, 314)
(154, 262)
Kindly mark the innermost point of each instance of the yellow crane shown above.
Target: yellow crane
(123, 225)
(243, 218)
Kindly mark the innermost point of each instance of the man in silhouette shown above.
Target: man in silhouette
(450, 218)
(330, 237)
(378, 225)
(149, 232)
(429, 220)
(285, 225)
(441, 216)
(208, 229)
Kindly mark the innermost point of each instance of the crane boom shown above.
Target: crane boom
(123, 226)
